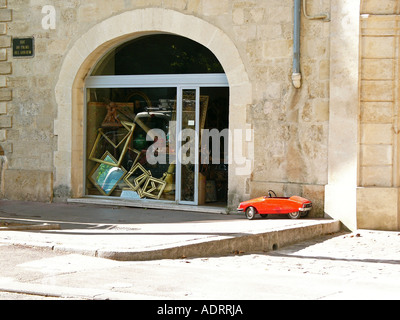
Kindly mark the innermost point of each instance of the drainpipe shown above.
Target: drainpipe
(296, 75)
(3, 166)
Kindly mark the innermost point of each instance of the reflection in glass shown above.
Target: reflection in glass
(120, 123)
(106, 177)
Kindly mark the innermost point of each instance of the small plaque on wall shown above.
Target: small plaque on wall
(23, 47)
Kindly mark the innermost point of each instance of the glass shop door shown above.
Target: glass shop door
(188, 145)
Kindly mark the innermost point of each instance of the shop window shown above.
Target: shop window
(130, 125)
(118, 123)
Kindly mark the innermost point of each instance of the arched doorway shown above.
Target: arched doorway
(85, 52)
(148, 102)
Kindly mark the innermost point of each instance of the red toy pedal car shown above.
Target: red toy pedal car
(295, 207)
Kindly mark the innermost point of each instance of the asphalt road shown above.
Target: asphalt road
(363, 265)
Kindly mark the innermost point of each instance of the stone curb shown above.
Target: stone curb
(263, 242)
(33, 227)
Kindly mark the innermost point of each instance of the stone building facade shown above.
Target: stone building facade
(333, 140)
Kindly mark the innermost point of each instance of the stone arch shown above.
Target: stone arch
(92, 45)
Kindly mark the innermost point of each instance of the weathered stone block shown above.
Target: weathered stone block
(5, 15)
(278, 49)
(3, 54)
(324, 70)
(378, 47)
(377, 91)
(5, 42)
(378, 112)
(321, 109)
(377, 176)
(5, 94)
(316, 193)
(3, 107)
(5, 67)
(5, 121)
(3, 28)
(28, 185)
(377, 134)
(379, 6)
(8, 147)
(377, 208)
(213, 8)
(238, 16)
(377, 69)
(57, 47)
(376, 155)
(175, 4)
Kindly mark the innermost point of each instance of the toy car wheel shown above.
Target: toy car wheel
(251, 213)
(304, 214)
(294, 215)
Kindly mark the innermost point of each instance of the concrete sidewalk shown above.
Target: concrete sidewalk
(129, 234)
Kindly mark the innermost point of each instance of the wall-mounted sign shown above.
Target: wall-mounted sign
(23, 47)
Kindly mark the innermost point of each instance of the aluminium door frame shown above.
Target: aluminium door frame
(178, 81)
(178, 180)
